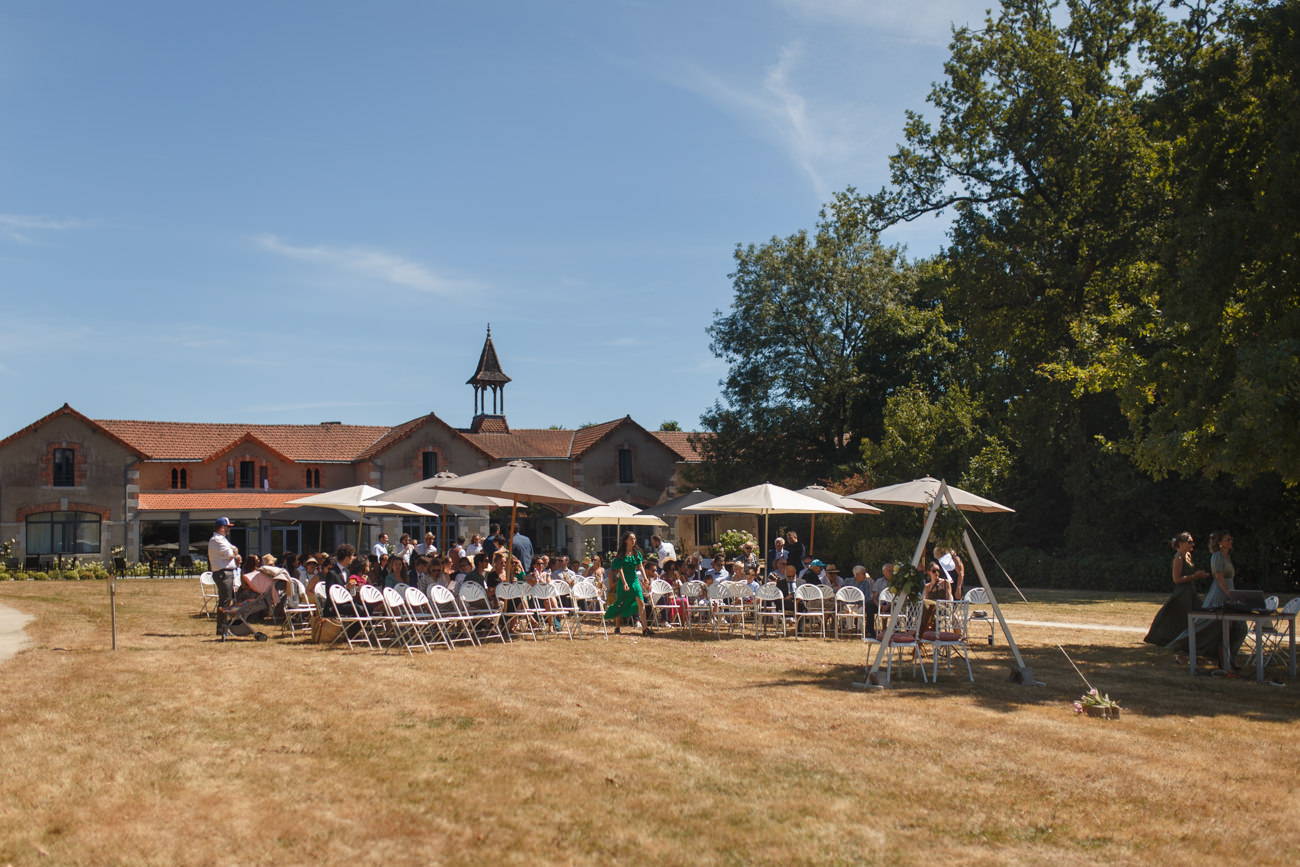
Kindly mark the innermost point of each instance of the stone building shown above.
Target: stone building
(75, 486)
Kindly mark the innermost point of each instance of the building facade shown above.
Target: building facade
(71, 486)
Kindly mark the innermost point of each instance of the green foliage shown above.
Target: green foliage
(907, 583)
(731, 541)
(821, 330)
(670, 425)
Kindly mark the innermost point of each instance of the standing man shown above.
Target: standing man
(381, 547)
(522, 547)
(665, 550)
(223, 557)
(427, 548)
(795, 550)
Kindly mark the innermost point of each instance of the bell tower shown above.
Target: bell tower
(489, 377)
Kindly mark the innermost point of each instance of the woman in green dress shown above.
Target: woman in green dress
(627, 572)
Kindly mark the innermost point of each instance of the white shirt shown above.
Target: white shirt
(666, 552)
(473, 548)
(379, 550)
(221, 554)
(426, 550)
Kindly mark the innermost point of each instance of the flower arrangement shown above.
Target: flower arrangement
(731, 541)
(1095, 703)
(907, 583)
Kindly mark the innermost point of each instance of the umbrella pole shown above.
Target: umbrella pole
(812, 534)
(510, 543)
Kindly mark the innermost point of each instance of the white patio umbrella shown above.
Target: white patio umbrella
(426, 492)
(921, 493)
(520, 482)
(360, 499)
(768, 499)
(615, 513)
(818, 492)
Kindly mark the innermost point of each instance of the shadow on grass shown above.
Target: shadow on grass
(1144, 680)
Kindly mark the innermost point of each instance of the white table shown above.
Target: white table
(1228, 617)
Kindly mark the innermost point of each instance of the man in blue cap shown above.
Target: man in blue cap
(223, 557)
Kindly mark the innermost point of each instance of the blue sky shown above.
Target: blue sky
(283, 212)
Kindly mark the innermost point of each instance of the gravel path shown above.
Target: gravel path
(12, 638)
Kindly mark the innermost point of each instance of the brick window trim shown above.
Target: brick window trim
(272, 473)
(78, 464)
(418, 462)
(26, 511)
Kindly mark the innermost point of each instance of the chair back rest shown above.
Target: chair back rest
(393, 601)
(694, 589)
(977, 595)
(371, 595)
(542, 591)
(828, 592)
(850, 595)
(886, 597)
(585, 590)
(415, 598)
(769, 593)
(472, 591)
(717, 590)
(808, 593)
(207, 580)
(1270, 602)
(339, 595)
(1292, 607)
(321, 591)
(739, 591)
(505, 590)
(659, 588)
(562, 587)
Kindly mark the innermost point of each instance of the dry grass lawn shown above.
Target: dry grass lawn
(180, 750)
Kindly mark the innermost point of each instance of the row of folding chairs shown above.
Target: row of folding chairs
(943, 638)
(405, 616)
(737, 607)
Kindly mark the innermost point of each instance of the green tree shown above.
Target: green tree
(823, 327)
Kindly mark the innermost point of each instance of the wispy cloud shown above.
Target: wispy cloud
(927, 22)
(20, 227)
(366, 262)
(827, 138)
(626, 341)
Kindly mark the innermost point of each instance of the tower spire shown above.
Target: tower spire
(489, 377)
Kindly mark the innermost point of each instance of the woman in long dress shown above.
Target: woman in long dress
(1170, 624)
(627, 573)
(1225, 575)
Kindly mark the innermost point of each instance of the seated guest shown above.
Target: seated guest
(814, 574)
(309, 571)
(747, 557)
(560, 570)
(718, 572)
(863, 582)
(831, 577)
(751, 578)
(786, 584)
(937, 585)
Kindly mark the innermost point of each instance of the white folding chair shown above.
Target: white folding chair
(979, 596)
(440, 611)
(382, 623)
(512, 597)
(350, 616)
(542, 605)
(590, 605)
(663, 600)
(474, 604)
(695, 595)
(564, 605)
(948, 636)
(208, 587)
(851, 609)
(769, 607)
(735, 605)
(809, 604)
(902, 641)
(298, 608)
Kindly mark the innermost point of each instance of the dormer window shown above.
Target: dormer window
(180, 478)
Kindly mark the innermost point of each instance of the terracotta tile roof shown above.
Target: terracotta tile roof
(201, 501)
(679, 441)
(585, 438)
(489, 424)
(184, 441)
(524, 443)
(68, 410)
(401, 432)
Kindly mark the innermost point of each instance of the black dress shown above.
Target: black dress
(1171, 620)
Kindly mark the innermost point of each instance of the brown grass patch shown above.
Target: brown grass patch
(180, 750)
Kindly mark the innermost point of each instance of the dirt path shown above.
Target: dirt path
(12, 638)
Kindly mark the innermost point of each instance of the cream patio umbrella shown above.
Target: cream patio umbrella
(519, 482)
(768, 499)
(857, 507)
(921, 493)
(426, 492)
(360, 499)
(615, 513)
